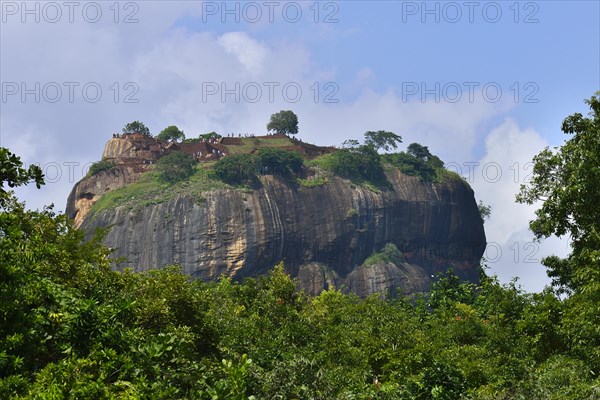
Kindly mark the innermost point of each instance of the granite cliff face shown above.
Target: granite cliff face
(323, 233)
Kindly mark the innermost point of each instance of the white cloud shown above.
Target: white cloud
(497, 178)
(249, 52)
(500, 173)
(175, 70)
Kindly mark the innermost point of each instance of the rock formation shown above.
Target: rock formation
(323, 233)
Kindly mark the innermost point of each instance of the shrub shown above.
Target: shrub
(411, 165)
(278, 161)
(175, 167)
(351, 213)
(391, 253)
(419, 162)
(361, 163)
(388, 254)
(99, 166)
(236, 168)
(313, 182)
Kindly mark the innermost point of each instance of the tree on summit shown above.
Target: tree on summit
(284, 122)
(422, 153)
(210, 136)
(136, 127)
(382, 140)
(419, 151)
(171, 134)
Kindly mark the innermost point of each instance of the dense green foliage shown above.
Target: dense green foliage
(245, 168)
(275, 161)
(136, 127)
(236, 168)
(175, 167)
(99, 166)
(411, 165)
(284, 122)
(359, 163)
(171, 134)
(73, 328)
(417, 161)
(363, 163)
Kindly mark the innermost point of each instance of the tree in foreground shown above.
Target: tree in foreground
(567, 181)
(283, 122)
(136, 127)
(171, 134)
(13, 173)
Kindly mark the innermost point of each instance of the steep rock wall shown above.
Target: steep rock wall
(323, 233)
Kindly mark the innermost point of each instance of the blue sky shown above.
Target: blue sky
(358, 66)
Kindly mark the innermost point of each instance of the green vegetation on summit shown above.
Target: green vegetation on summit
(247, 158)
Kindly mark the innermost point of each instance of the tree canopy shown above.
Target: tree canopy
(383, 140)
(136, 127)
(358, 162)
(245, 168)
(210, 135)
(275, 161)
(171, 134)
(236, 168)
(283, 122)
(175, 167)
